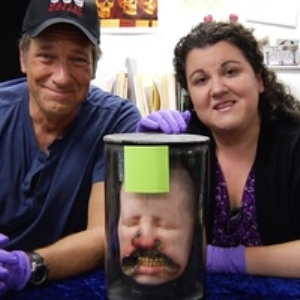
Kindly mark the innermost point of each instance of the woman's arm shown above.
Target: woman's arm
(281, 260)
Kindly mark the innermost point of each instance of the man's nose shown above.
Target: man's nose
(61, 73)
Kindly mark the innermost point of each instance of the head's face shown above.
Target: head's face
(59, 67)
(155, 231)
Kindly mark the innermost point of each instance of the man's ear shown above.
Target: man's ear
(22, 58)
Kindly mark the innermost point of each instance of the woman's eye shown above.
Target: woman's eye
(200, 80)
(230, 72)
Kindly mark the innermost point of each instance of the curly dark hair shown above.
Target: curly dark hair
(276, 102)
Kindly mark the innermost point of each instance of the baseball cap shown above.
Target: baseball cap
(81, 13)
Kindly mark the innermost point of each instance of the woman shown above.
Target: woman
(254, 125)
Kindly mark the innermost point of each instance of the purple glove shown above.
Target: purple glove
(15, 269)
(3, 240)
(4, 271)
(166, 121)
(19, 273)
(226, 260)
(9, 259)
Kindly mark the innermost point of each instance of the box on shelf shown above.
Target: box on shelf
(285, 52)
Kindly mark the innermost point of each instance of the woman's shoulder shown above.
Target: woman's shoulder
(286, 127)
(283, 134)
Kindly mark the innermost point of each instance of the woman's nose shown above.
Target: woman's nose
(218, 86)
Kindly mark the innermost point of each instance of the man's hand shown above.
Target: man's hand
(3, 240)
(15, 269)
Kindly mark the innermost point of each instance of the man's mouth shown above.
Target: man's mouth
(150, 258)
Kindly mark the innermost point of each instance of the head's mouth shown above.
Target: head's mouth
(150, 258)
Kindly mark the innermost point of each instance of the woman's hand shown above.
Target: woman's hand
(166, 121)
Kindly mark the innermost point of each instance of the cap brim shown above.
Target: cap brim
(34, 32)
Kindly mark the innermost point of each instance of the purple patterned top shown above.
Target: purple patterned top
(238, 226)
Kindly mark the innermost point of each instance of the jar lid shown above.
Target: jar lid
(155, 138)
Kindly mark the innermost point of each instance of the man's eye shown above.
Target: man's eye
(80, 60)
(45, 56)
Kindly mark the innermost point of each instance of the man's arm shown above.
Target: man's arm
(82, 251)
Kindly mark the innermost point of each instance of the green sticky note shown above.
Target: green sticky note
(146, 169)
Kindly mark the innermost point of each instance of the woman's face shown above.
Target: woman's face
(223, 87)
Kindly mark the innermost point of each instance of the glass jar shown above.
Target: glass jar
(156, 191)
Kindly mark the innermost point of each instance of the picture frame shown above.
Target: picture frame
(126, 17)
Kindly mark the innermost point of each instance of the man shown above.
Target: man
(51, 155)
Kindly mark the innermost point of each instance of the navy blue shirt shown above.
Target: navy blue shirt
(44, 197)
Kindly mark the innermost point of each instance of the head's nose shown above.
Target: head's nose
(145, 237)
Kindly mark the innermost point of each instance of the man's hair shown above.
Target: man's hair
(25, 40)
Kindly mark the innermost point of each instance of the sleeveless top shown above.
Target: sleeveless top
(233, 227)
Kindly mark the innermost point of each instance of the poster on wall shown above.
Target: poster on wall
(279, 17)
(127, 14)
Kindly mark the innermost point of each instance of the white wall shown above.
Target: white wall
(290, 77)
(153, 50)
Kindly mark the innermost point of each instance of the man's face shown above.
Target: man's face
(59, 67)
(155, 232)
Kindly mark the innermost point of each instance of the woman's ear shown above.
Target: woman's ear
(261, 86)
